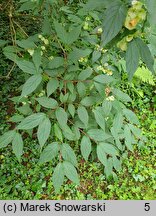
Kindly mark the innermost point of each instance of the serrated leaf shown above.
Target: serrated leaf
(26, 66)
(68, 154)
(104, 79)
(128, 138)
(85, 74)
(61, 116)
(49, 153)
(26, 44)
(31, 121)
(17, 146)
(131, 116)
(98, 135)
(71, 172)
(43, 131)
(31, 84)
(107, 106)
(16, 118)
(58, 177)
(121, 95)
(115, 16)
(56, 62)
(37, 59)
(58, 132)
(7, 138)
(86, 147)
(132, 58)
(52, 85)
(145, 54)
(108, 148)
(95, 56)
(101, 154)
(100, 120)
(47, 102)
(83, 115)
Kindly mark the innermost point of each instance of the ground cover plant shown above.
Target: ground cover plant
(74, 111)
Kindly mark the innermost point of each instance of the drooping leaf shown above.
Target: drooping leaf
(108, 148)
(71, 109)
(26, 66)
(47, 102)
(107, 106)
(132, 58)
(131, 116)
(31, 121)
(101, 154)
(58, 132)
(121, 95)
(17, 146)
(43, 131)
(61, 116)
(85, 147)
(52, 85)
(7, 138)
(115, 16)
(98, 135)
(104, 79)
(68, 154)
(128, 138)
(95, 56)
(31, 84)
(83, 115)
(37, 59)
(58, 176)
(145, 54)
(49, 153)
(70, 172)
(100, 120)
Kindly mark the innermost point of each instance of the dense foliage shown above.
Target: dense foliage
(74, 65)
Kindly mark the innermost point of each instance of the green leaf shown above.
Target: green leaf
(47, 102)
(121, 95)
(131, 116)
(104, 79)
(49, 153)
(116, 163)
(136, 131)
(98, 135)
(52, 85)
(100, 120)
(7, 138)
(26, 66)
(118, 122)
(81, 88)
(37, 59)
(108, 148)
(31, 84)
(56, 62)
(71, 109)
(101, 154)
(71, 172)
(83, 115)
(88, 101)
(68, 154)
(26, 44)
(114, 19)
(95, 56)
(76, 54)
(31, 121)
(73, 35)
(85, 74)
(61, 116)
(85, 147)
(3, 43)
(43, 131)
(132, 58)
(58, 177)
(145, 54)
(58, 132)
(128, 138)
(17, 146)
(107, 106)
(16, 118)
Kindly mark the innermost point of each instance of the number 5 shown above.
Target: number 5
(147, 207)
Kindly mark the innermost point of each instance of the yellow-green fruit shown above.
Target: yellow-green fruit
(122, 44)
